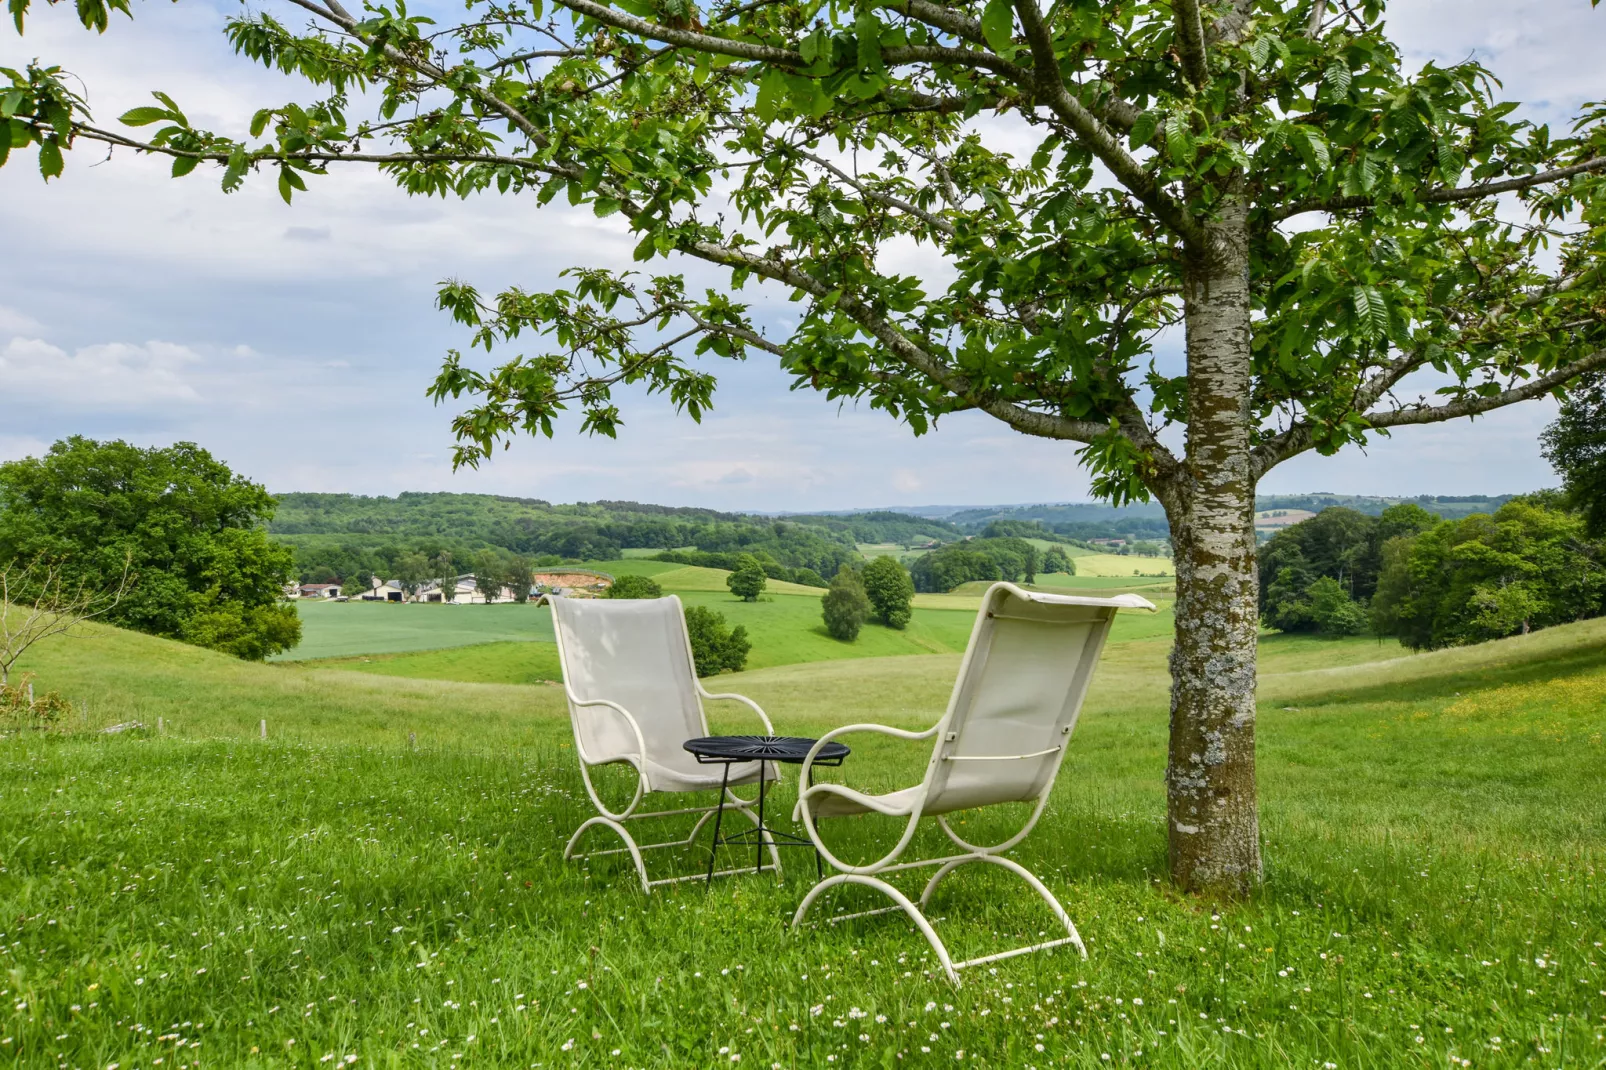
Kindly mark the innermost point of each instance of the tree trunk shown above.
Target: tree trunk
(1214, 828)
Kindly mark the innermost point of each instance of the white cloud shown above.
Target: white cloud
(113, 375)
(15, 322)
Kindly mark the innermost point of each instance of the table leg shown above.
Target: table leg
(719, 816)
(758, 853)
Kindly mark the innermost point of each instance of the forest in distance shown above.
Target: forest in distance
(338, 535)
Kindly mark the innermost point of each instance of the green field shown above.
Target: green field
(343, 629)
(1433, 827)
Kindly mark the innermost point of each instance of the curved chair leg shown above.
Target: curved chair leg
(897, 897)
(1025, 874)
(630, 844)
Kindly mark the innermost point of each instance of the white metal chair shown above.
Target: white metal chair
(634, 698)
(1002, 740)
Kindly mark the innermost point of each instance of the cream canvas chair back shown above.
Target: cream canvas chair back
(632, 652)
(1019, 691)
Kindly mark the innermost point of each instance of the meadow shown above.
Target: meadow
(380, 882)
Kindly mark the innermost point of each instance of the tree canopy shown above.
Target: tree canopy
(189, 531)
(890, 589)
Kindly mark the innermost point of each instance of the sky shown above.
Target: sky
(296, 342)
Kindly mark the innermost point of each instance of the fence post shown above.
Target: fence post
(264, 728)
(161, 728)
(412, 740)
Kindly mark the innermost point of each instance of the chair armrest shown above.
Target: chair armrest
(641, 742)
(769, 729)
(880, 729)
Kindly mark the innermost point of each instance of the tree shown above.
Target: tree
(890, 590)
(635, 587)
(1575, 445)
(1055, 559)
(35, 604)
(1489, 576)
(715, 647)
(188, 531)
(748, 580)
(443, 573)
(1320, 219)
(845, 605)
(412, 571)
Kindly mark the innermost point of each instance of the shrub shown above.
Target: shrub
(891, 591)
(715, 648)
(748, 579)
(20, 710)
(635, 587)
(845, 605)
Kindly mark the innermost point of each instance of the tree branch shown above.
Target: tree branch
(1453, 195)
(1302, 435)
(1049, 87)
(905, 349)
(1191, 42)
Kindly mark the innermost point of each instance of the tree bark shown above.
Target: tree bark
(1214, 829)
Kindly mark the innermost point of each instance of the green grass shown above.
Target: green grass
(1433, 833)
(343, 629)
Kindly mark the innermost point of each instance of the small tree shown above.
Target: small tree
(715, 648)
(1334, 611)
(1055, 559)
(412, 569)
(891, 591)
(748, 581)
(845, 605)
(356, 586)
(442, 571)
(36, 603)
(635, 587)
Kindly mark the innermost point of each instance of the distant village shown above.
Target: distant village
(464, 590)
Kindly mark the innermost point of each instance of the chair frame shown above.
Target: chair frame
(614, 820)
(870, 875)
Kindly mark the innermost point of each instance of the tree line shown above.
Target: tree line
(1430, 582)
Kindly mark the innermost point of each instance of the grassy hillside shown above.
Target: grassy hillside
(1434, 843)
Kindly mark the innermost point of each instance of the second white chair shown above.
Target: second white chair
(1002, 740)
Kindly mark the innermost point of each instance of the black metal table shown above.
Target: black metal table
(731, 750)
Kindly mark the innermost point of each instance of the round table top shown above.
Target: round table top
(769, 748)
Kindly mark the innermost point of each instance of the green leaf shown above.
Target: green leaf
(183, 165)
(867, 28)
(770, 93)
(259, 121)
(5, 140)
(144, 116)
(809, 47)
(1336, 79)
(1178, 138)
(1143, 129)
(998, 24)
(173, 109)
(1313, 147)
(50, 163)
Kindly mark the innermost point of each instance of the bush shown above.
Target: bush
(891, 591)
(250, 633)
(715, 648)
(21, 710)
(845, 606)
(635, 587)
(748, 579)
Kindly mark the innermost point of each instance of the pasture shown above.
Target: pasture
(344, 629)
(1433, 834)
